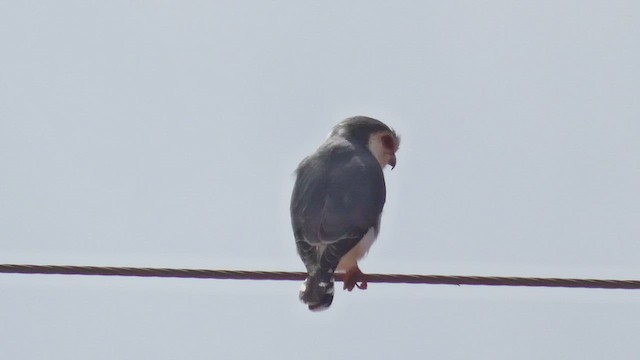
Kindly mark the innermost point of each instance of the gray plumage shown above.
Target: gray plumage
(338, 197)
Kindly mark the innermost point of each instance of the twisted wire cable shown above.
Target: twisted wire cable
(287, 275)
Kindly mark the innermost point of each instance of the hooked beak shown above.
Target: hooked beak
(392, 161)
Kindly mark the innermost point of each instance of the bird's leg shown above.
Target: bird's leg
(351, 279)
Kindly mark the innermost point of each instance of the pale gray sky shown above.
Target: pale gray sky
(165, 134)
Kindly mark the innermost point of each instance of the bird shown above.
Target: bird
(337, 202)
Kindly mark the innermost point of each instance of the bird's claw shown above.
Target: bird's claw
(351, 280)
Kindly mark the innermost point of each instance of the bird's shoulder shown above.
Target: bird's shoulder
(338, 154)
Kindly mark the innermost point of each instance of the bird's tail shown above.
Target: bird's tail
(317, 291)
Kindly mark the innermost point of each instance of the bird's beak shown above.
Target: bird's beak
(392, 161)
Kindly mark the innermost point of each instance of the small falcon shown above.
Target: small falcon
(336, 204)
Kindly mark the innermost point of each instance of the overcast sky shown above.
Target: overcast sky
(166, 133)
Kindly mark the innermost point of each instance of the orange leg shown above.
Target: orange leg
(351, 279)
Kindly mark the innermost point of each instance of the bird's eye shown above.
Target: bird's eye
(387, 142)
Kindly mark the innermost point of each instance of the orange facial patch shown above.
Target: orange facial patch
(388, 143)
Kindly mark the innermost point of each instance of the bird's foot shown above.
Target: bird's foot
(351, 278)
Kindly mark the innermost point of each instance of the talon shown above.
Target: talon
(349, 283)
(349, 287)
(351, 280)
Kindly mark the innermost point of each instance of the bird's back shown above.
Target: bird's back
(339, 192)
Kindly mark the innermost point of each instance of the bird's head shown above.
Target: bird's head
(380, 139)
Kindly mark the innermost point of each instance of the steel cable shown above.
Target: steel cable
(286, 275)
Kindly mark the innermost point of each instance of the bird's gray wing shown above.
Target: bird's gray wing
(338, 197)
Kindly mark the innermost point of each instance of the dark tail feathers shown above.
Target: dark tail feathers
(317, 292)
